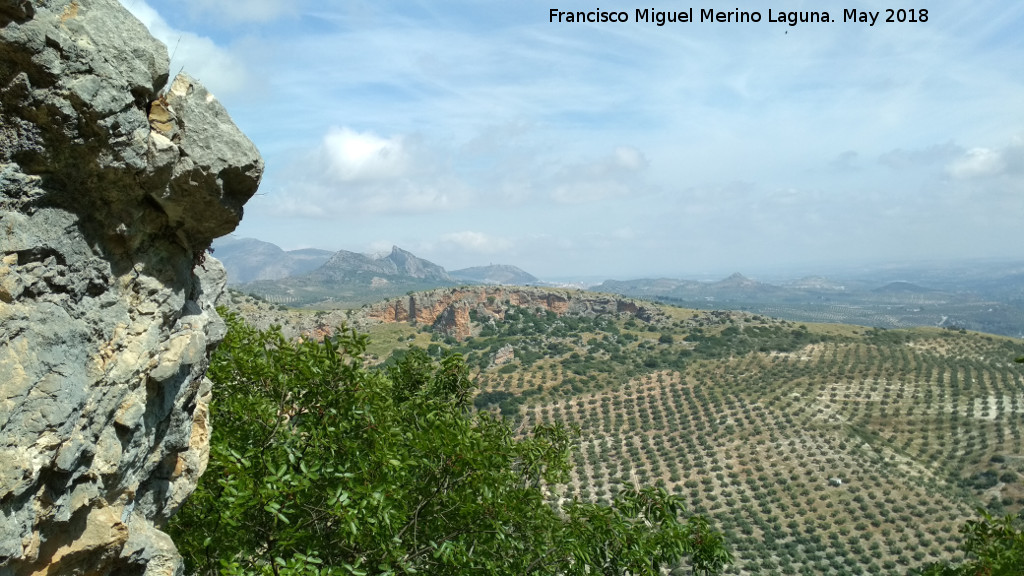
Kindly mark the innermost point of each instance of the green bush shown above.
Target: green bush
(993, 546)
(321, 466)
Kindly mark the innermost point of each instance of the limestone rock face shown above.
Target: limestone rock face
(505, 355)
(110, 191)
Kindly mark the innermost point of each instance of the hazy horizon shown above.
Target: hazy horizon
(470, 133)
(893, 270)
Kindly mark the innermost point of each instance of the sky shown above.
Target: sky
(472, 132)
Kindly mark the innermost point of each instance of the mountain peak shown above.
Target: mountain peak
(249, 259)
(495, 274)
(408, 264)
(736, 280)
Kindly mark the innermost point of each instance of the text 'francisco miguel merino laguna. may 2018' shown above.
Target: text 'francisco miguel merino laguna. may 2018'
(710, 15)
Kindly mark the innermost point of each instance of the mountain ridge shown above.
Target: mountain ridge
(250, 259)
(346, 278)
(345, 265)
(502, 274)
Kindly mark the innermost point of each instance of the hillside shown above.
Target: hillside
(248, 259)
(820, 448)
(345, 279)
(988, 304)
(351, 268)
(350, 279)
(495, 274)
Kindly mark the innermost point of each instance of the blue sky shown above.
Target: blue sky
(476, 131)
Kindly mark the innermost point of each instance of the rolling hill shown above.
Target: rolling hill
(989, 305)
(248, 259)
(820, 448)
(349, 279)
(501, 274)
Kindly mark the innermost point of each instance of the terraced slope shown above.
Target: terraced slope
(849, 456)
(821, 449)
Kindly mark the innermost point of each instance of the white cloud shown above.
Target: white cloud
(490, 120)
(352, 173)
(984, 162)
(630, 158)
(977, 162)
(352, 156)
(476, 242)
(219, 70)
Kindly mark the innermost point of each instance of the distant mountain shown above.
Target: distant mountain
(350, 279)
(816, 283)
(248, 259)
(736, 280)
(994, 304)
(738, 283)
(344, 278)
(347, 267)
(734, 286)
(903, 288)
(495, 274)
(646, 286)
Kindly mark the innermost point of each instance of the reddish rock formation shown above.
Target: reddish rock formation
(447, 310)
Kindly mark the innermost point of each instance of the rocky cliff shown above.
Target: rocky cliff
(347, 266)
(112, 185)
(448, 309)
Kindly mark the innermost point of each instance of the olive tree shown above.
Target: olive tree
(322, 466)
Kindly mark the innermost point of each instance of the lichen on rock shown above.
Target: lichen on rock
(111, 189)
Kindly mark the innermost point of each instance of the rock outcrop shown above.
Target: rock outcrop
(505, 355)
(447, 309)
(111, 189)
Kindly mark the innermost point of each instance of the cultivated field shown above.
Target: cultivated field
(818, 448)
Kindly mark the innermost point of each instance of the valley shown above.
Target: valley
(818, 448)
(977, 295)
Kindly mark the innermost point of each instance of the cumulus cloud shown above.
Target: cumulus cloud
(352, 173)
(977, 162)
(219, 70)
(629, 159)
(983, 162)
(354, 156)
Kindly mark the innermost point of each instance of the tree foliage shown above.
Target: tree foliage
(322, 466)
(993, 546)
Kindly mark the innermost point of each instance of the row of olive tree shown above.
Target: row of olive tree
(321, 466)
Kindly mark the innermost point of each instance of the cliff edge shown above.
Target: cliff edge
(112, 186)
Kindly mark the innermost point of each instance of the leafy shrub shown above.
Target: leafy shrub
(321, 466)
(993, 546)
